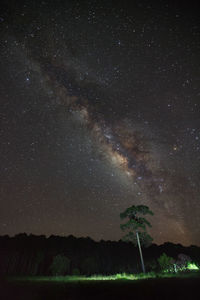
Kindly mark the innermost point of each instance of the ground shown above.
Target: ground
(183, 287)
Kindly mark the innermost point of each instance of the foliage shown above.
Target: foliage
(192, 266)
(166, 262)
(136, 223)
(19, 257)
(182, 262)
(60, 265)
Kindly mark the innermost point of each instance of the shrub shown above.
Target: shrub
(166, 263)
(182, 262)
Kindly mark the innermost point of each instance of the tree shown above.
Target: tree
(137, 226)
(60, 265)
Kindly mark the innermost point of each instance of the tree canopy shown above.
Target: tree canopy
(136, 223)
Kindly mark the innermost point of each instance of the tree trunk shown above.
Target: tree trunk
(140, 250)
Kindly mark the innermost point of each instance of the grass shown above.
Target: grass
(120, 276)
(118, 287)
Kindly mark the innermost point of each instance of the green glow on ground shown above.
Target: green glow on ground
(115, 277)
(83, 278)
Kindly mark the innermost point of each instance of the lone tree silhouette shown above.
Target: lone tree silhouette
(137, 226)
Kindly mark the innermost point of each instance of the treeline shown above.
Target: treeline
(37, 255)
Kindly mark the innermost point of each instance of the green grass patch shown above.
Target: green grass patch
(119, 286)
(120, 276)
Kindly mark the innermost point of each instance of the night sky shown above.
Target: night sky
(99, 110)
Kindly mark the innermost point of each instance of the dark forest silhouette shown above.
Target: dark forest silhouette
(37, 255)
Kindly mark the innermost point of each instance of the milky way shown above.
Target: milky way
(100, 110)
(124, 146)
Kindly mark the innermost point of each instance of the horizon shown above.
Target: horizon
(96, 241)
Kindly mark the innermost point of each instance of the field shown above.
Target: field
(121, 286)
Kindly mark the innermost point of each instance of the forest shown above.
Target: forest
(30, 255)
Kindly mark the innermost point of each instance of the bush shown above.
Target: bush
(166, 263)
(182, 262)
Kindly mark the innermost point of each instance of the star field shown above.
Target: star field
(99, 111)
